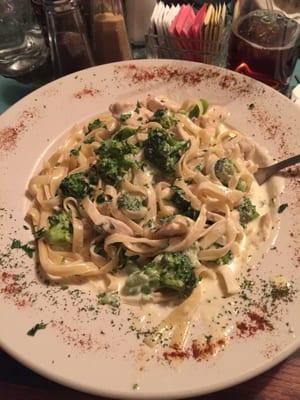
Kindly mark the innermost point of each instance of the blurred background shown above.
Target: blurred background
(41, 40)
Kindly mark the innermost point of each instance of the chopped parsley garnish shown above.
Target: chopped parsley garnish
(75, 152)
(96, 124)
(39, 234)
(137, 108)
(36, 328)
(194, 112)
(16, 244)
(99, 249)
(89, 140)
(124, 117)
(282, 207)
(103, 198)
(112, 299)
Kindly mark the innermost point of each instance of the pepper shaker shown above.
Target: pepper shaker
(69, 46)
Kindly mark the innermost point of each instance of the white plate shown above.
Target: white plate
(74, 352)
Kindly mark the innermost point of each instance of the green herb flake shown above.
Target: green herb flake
(282, 207)
(96, 124)
(16, 244)
(124, 117)
(112, 299)
(36, 328)
(208, 338)
(89, 140)
(75, 152)
(103, 198)
(39, 234)
(137, 108)
(135, 386)
(194, 112)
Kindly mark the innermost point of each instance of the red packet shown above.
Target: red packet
(187, 27)
(177, 25)
(197, 27)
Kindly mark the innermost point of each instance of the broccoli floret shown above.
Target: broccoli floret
(130, 202)
(163, 150)
(173, 271)
(247, 212)
(165, 118)
(125, 133)
(242, 186)
(75, 185)
(95, 125)
(60, 230)
(114, 160)
(182, 204)
(224, 170)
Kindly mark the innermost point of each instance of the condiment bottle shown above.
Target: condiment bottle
(70, 50)
(109, 35)
(138, 15)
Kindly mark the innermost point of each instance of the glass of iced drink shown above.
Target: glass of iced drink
(264, 41)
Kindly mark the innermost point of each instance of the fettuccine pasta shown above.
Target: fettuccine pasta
(150, 199)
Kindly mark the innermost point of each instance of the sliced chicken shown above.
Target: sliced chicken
(178, 227)
(213, 116)
(247, 148)
(121, 108)
(159, 102)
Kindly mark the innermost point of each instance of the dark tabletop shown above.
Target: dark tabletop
(280, 383)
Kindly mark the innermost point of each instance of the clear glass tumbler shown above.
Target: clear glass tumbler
(264, 41)
(22, 45)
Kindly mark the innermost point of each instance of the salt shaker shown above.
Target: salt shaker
(69, 46)
(109, 35)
